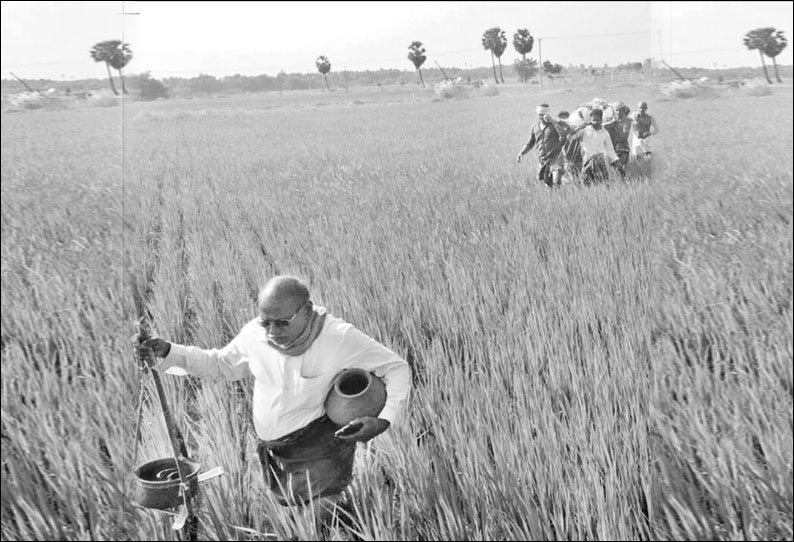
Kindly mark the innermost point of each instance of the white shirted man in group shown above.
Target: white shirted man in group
(597, 149)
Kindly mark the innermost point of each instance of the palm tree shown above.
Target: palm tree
(115, 54)
(501, 47)
(487, 46)
(416, 54)
(494, 40)
(122, 54)
(774, 46)
(523, 42)
(323, 66)
(759, 39)
(102, 52)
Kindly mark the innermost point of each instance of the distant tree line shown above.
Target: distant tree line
(207, 84)
(116, 54)
(145, 87)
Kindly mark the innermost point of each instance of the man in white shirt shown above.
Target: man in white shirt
(597, 149)
(294, 349)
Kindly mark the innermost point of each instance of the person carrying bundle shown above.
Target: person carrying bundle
(571, 149)
(544, 135)
(619, 129)
(597, 149)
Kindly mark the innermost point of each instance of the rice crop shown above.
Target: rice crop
(589, 363)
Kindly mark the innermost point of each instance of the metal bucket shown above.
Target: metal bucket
(355, 393)
(158, 482)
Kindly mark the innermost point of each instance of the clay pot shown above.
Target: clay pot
(354, 393)
(158, 482)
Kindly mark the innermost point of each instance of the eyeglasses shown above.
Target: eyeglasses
(280, 323)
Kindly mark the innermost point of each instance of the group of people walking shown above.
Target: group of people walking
(589, 148)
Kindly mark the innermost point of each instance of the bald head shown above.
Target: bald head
(283, 293)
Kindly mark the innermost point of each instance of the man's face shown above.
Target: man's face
(595, 120)
(643, 108)
(284, 320)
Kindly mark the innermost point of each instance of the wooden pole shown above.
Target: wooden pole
(24, 83)
(442, 70)
(675, 71)
(188, 516)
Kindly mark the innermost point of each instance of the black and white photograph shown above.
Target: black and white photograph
(399, 270)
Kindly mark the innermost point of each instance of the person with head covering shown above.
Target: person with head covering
(619, 129)
(571, 149)
(544, 136)
(294, 349)
(597, 149)
(643, 126)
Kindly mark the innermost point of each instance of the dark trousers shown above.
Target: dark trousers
(307, 463)
(595, 170)
(623, 157)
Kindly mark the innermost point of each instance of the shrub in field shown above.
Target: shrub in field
(680, 89)
(707, 89)
(151, 88)
(449, 89)
(27, 100)
(35, 100)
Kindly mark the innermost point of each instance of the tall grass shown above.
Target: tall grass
(602, 363)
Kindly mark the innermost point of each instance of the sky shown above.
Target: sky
(183, 39)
